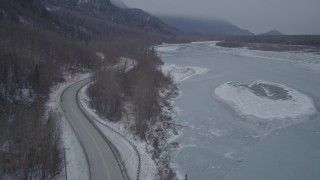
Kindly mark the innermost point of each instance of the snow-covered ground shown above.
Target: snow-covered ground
(125, 142)
(123, 64)
(100, 55)
(126, 63)
(167, 48)
(265, 100)
(180, 74)
(77, 166)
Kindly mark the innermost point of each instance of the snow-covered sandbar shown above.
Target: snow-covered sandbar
(167, 48)
(265, 100)
(180, 74)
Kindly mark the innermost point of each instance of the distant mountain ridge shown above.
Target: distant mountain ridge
(271, 33)
(84, 19)
(107, 11)
(211, 26)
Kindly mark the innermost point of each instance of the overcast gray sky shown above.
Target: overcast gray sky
(287, 16)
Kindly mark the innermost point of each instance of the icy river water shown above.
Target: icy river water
(221, 143)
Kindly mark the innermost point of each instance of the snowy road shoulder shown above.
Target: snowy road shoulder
(77, 166)
(125, 142)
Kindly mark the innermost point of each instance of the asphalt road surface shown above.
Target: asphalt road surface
(102, 162)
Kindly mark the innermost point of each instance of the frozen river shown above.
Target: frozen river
(222, 140)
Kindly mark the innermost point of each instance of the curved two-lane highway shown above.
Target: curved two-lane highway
(103, 164)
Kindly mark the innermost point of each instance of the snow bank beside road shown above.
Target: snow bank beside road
(265, 100)
(180, 74)
(121, 138)
(77, 166)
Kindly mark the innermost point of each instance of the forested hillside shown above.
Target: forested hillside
(41, 42)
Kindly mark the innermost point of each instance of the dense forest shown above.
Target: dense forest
(31, 62)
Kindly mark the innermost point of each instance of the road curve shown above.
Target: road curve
(102, 162)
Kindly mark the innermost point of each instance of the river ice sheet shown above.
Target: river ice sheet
(265, 100)
(220, 144)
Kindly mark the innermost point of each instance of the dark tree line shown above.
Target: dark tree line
(112, 89)
(115, 93)
(31, 61)
(107, 96)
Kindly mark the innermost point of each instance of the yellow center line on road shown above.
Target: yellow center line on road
(96, 145)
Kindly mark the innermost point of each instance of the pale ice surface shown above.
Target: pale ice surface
(247, 102)
(304, 59)
(219, 143)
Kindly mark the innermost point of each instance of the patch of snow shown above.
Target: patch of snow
(204, 42)
(180, 74)
(124, 64)
(77, 165)
(5, 147)
(83, 29)
(314, 67)
(3, 13)
(52, 8)
(247, 102)
(127, 63)
(229, 155)
(167, 48)
(234, 156)
(27, 95)
(216, 132)
(26, 21)
(100, 55)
